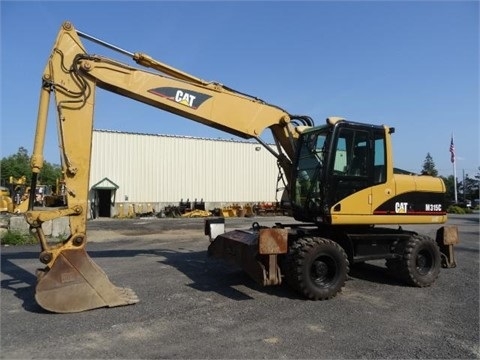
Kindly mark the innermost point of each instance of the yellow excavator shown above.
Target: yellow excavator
(339, 176)
(13, 198)
(6, 202)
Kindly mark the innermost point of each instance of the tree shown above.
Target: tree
(450, 188)
(18, 165)
(469, 187)
(429, 166)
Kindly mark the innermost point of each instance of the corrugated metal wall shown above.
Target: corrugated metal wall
(161, 168)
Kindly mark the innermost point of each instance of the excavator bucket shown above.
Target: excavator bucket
(75, 283)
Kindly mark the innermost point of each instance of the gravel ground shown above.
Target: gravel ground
(194, 307)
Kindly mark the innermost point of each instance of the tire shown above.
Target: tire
(421, 261)
(317, 268)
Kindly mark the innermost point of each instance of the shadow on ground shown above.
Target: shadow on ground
(206, 274)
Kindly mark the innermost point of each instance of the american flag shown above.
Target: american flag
(452, 151)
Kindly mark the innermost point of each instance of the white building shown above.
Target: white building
(153, 171)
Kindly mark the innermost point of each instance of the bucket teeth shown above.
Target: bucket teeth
(127, 295)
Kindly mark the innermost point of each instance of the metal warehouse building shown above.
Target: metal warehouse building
(153, 171)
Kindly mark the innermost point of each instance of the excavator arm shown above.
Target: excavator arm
(71, 281)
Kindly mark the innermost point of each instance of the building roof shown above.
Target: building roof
(176, 136)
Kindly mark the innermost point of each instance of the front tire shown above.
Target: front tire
(316, 267)
(421, 261)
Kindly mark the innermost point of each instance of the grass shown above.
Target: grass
(18, 238)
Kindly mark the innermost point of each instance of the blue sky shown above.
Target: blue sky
(413, 65)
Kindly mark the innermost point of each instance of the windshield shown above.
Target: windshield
(311, 152)
(310, 162)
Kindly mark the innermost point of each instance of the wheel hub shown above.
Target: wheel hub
(323, 271)
(424, 263)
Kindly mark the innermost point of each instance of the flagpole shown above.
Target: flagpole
(454, 163)
(455, 180)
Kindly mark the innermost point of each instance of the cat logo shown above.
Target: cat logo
(184, 98)
(191, 99)
(401, 207)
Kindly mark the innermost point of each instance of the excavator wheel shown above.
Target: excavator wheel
(420, 263)
(316, 267)
(75, 283)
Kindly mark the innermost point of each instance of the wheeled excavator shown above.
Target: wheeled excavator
(339, 179)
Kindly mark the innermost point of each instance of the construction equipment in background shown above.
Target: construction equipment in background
(270, 208)
(18, 188)
(46, 196)
(53, 197)
(197, 214)
(13, 198)
(237, 210)
(339, 180)
(6, 203)
(195, 209)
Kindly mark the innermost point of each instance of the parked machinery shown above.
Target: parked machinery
(339, 177)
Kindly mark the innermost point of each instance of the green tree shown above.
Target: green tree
(18, 165)
(450, 188)
(469, 187)
(428, 167)
(49, 174)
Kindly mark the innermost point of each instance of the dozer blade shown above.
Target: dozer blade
(75, 283)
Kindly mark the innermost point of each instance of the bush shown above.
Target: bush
(459, 209)
(18, 238)
(454, 209)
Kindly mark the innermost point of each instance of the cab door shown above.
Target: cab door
(383, 186)
(351, 172)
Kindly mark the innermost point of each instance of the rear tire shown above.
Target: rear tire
(316, 267)
(421, 261)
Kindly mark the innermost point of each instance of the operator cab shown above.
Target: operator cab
(334, 161)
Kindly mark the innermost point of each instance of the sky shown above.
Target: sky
(413, 65)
